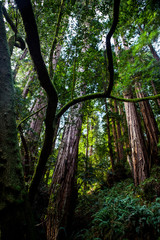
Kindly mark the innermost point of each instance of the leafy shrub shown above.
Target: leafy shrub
(126, 218)
(123, 211)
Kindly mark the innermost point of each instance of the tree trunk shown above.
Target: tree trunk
(63, 189)
(34, 132)
(109, 137)
(15, 214)
(27, 86)
(155, 92)
(115, 135)
(150, 124)
(119, 135)
(140, 160)
(86, 162)
(126, 142)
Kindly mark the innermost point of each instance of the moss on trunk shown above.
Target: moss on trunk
(15, 220)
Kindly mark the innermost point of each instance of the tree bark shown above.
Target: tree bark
(126, 142)
(150, 124)
(15, 214)
(63, 189)
(86, 162)
(119, 135)
(155, 92)
(109, 137)
(27, 86)
(115, 134)
(140, 160)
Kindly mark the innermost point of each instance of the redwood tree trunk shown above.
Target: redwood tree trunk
(150, 124)
(63, 189)
(15, 214)
(140, 160)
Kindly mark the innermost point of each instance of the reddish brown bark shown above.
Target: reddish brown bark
(140, 160)
(150, 124)
(63, 189)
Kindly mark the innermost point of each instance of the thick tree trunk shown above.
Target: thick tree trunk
(15, 214)
(63, 189)
(150, 124)
(140, 160)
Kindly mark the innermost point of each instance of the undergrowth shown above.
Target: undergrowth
(121, 212)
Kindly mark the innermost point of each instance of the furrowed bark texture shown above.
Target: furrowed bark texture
(150, 124)
(15, 218)
(140, 158)
(63, 190)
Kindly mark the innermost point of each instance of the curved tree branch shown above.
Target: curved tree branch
(101, 95)
(18, 41)
(9, 20)
(90, 97)
(32, 39)
(29, 116)
(108, 45)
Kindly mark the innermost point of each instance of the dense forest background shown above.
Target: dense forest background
(79, 119)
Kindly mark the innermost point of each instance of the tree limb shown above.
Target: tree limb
(108, 45)
(9, 20)
(18, 41)
(101, 95)
(32, 39)
(90, 97)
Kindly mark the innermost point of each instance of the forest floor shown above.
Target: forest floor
(121, 211)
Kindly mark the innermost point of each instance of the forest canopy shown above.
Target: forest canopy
(79, 119)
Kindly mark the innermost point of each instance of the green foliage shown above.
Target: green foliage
(125, 218)
(118, 213)
(149, 189)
